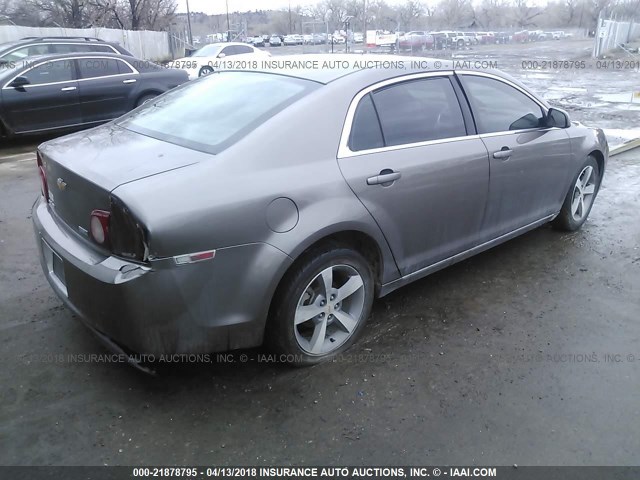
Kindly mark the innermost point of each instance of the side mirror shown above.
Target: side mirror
(19, 82)
(222, 55)
(557, 118)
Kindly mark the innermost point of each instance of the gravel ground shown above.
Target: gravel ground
(525, 354)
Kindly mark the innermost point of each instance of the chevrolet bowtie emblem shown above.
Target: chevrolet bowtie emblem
(62, 185)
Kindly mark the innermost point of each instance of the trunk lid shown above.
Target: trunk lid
(82, 169)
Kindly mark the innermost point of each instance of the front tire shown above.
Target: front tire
(579, 200)
(321, 307)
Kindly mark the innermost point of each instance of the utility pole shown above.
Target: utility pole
(364, 25)
(290, 32)
(228, 24)
(189, 25)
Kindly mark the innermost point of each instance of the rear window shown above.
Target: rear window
(216, 111)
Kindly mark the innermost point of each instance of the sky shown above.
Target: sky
(219, 6)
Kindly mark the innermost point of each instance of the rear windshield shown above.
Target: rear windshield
(212, 113)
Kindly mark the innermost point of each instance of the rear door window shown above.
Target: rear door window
(418, 111)
(366, 133)
(97, 67)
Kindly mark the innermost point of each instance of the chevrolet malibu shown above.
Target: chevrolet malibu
(217, 217)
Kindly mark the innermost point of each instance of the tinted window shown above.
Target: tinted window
(50, 72)
(498, 107)
(102, 48)
(365, 131)
(69, 48)
(29, 51)
(97, 67)
(243, 49)
(230, 50)
(419, 111)
(212, 113)
(123, 67)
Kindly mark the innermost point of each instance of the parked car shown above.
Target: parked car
(78, 90)
(440, 40)
(475, 39)
(488, 38)
(307, 39)
(415, 40)
(207, 59)
(290, 40)
(217, 218)
(12, 52)
(275, 41)
(502, 37)
(558, 35)
(257, 41)
(521, 36)
(358, 37)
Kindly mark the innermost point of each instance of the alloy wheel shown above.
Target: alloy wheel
(329, 310)
(583, 193)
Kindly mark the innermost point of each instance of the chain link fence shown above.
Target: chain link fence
(611, 33)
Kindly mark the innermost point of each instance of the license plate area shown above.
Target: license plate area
(55, 267)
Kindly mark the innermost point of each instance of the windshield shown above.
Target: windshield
(207, 51)
(214, 112)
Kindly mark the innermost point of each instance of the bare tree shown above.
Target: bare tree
(410, 11)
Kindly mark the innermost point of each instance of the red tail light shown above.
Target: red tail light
(99, 227)
(118, 231)
(44, 188)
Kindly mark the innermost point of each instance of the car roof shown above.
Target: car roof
(369, 68)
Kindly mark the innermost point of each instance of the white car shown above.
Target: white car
(291, 40)
(210, 57)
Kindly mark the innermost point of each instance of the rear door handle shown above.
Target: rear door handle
(67, 89)
(386, 176)
(130, 80)
(504, 152)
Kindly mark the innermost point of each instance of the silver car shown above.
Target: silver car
(220, 216)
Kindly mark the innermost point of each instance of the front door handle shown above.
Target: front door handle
(504, 152)
(385, 178)
(67, 89)
(130, 80)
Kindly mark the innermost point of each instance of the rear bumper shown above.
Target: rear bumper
(163, 308)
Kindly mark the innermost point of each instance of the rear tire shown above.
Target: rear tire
(321, 306)
(204, 71)
(579, 200)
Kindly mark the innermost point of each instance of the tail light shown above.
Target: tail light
(99, 227)
(118, 231)
(44, 188)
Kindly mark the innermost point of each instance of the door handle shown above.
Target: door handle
(386, 176)
(504, 152)
(130, 80)
(67, 89)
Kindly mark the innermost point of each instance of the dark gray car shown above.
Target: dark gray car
(73, 91)
(219, 216)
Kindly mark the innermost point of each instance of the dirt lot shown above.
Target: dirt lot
(526, 354)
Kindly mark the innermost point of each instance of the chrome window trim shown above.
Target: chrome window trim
(343, 149)
(345, 152)
(92, 57)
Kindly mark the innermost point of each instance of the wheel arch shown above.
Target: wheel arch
(357, 239)
(599, 156)
(147, 91)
